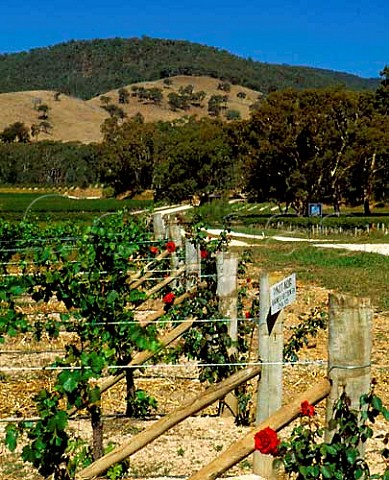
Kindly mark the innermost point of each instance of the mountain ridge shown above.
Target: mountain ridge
(88, 68)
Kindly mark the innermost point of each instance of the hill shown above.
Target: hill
(86, 69)
(74, 119)
(195, 90)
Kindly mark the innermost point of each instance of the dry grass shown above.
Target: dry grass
(74, 119)
(153, 113)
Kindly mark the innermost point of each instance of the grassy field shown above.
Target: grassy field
(344, 271)
(355, 273)
(56, 207)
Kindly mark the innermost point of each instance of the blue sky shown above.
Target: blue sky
(345, 35)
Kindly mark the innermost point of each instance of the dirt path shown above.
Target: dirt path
(381, 248)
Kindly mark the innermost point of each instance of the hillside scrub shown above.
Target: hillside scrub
(63, 67)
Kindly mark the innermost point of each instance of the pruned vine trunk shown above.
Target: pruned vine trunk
(97, 432)
(130, 392)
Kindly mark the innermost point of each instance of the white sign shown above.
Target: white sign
(282, 293)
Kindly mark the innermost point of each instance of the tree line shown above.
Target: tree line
(298, 146)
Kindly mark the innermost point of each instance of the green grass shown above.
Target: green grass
(256, 219)
(355, 273)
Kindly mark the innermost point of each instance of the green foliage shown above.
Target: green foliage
(142, 405)
(57, 210)
(308, 146)
(178, 101)
(224, 86)
(79, 455)
(17, 132)
(148, 95)
(233, 115)
(192, 158)
(48, 163)
(43, 110)
(127, 158)
(62, 67)
(48, 440)
(298, 147)
(217, 104)
(123, 95)
(306, 456)
(208, 341)
(382, 93)
(99, 305)
(117, 471)
(115, 111)
(308, 328)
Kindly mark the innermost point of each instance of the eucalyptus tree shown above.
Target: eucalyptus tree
(296, 146)
(127, 154)
(382, 93)
(192, 157)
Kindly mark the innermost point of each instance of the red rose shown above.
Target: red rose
(247, 314)
(171, 247)
(154, 250)
(307, 409)
(203, 254)
(267, 441)
(169, 298)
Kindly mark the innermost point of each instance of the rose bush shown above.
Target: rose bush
(171, 247)
(267, 441)
(306, 457)
(168, 299)
(307, 409)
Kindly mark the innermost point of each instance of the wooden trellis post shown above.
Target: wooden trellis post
(159, 226)
(270, 351)
(175, 231)
(175, 236)
(192, 264)
(227, 272)
(349, 349)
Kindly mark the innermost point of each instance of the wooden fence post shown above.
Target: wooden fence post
(227, 272)
(349, 350)
(270, 351)
(226, 290)
(192, 263)
(175, 236)
(175, 232)
(159, 226)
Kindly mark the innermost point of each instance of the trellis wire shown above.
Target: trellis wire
(59, 239)
(134, 260)
(136, 322)
(194, 365)
(163, 365)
